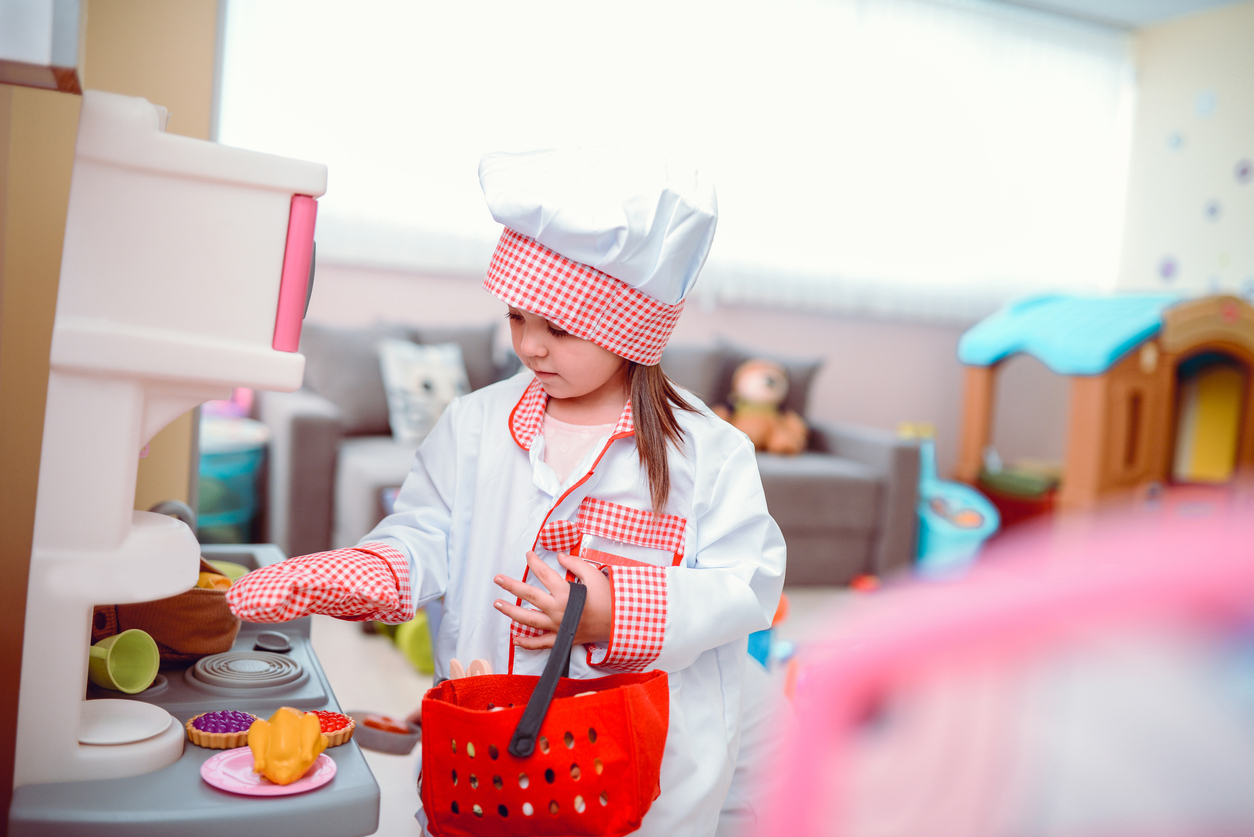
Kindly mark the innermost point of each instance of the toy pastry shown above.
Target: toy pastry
(287, 745)
(385, 723)
(223, 729)
(336, 727)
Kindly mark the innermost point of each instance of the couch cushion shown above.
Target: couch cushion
(696, 369)
(342, 365)
(707, 371)
(420, 381)
(801, 372)
(828, 558)
(818, 492)
(476, 342)
(366, 466)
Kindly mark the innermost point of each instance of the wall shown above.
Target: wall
(36, 152)
(1194, 124)
(874, 372)
(1191, 192)
(164, 52)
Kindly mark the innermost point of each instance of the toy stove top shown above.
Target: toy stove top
(243, 678)
(255, 672)
(175, 800)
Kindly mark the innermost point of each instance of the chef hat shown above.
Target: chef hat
(604, 242)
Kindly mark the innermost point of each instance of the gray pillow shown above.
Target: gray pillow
(801, 372)
(697, 369)
(342, 365)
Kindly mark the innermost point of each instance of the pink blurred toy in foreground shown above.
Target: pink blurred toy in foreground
(1095, 678)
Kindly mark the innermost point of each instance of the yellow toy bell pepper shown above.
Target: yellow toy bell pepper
(213, 581)
(287, 745)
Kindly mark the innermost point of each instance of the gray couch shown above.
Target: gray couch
(846, 505)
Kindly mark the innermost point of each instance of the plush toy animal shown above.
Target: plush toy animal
(756, 408)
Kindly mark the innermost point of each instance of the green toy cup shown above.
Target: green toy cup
(126, 662)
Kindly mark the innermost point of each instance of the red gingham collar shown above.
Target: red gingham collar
(527, 417)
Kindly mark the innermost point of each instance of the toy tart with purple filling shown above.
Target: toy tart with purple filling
(223, 729)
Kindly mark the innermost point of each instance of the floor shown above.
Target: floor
(368, 673)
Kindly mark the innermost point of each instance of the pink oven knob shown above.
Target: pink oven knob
(297, 278)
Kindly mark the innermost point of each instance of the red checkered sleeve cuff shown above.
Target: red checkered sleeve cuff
(639, 618)
(367, 582)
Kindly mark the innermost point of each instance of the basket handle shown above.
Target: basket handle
(523, 744)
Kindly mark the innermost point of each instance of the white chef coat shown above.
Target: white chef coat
(475, 502)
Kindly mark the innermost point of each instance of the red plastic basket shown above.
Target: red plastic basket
(582, 758)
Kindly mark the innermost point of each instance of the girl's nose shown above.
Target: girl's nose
(533, 343)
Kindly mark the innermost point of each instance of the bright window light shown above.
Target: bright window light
(911, 157)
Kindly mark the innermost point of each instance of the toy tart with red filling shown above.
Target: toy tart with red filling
(336, 727)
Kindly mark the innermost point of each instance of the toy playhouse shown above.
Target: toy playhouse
(1160, 391)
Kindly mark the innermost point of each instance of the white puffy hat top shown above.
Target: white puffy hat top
(605, 242)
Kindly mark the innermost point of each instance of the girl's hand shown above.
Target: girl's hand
(598, 611)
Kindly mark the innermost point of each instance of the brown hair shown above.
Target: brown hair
(653, 402)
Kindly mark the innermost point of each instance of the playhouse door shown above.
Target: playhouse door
(1208, 418)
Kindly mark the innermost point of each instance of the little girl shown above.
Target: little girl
(591, 450)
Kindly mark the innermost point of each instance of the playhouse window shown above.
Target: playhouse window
(1132, 433)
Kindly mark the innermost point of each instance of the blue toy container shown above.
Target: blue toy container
(760, 646)
(954, 519)
(231, 451)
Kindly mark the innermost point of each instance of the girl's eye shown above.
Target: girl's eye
(557, 332)
(512, 317)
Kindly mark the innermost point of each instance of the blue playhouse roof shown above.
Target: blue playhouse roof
(1072, 335)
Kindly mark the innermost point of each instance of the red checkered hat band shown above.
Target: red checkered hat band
(580, 299)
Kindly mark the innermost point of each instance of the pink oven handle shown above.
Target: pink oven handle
(294, 283)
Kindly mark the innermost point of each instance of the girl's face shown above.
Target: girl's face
(568, 367)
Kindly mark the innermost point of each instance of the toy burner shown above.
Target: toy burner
(251, 670)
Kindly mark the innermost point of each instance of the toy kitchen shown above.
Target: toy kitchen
(185, 273)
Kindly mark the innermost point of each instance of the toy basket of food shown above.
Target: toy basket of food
(513, 754)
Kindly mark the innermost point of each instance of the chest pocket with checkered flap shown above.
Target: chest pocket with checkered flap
(605, 533)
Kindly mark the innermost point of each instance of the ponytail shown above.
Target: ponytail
(653, 402)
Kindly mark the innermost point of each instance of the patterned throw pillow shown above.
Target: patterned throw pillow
(420, 381)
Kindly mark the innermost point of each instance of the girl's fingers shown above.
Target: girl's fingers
(589, 574)
(525, 592)
(537, 619)
(552, 581)
(536, 643)
(597, 622)
(578, 567)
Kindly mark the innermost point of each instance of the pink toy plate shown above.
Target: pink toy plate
(232, 771)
